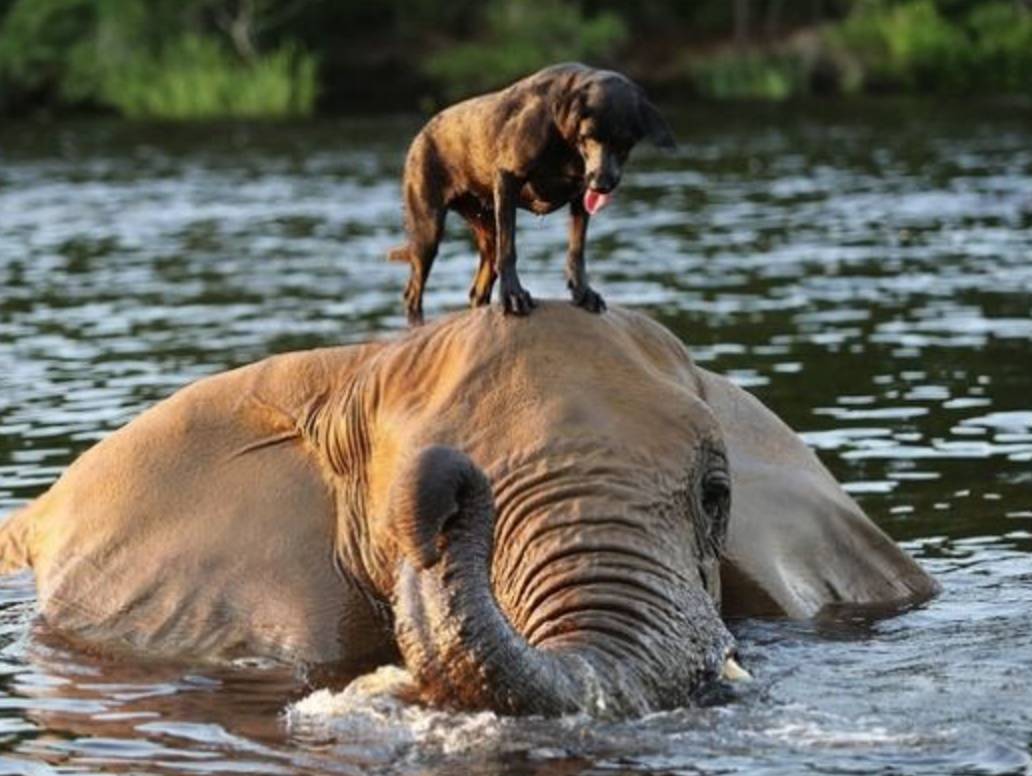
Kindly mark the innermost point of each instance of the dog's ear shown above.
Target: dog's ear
(567, 112)
(653, 126)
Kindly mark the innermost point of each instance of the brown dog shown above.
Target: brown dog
(560, 136)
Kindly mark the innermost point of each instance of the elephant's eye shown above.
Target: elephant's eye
(716, 501)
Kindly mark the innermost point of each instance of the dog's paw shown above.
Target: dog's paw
(518, 301)
(588, 298)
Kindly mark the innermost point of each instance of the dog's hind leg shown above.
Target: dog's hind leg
(482, 225)
(425, 209)
(425, 225)
(422, 253)
(483, 283)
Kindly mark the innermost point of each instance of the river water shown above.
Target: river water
(866, 271)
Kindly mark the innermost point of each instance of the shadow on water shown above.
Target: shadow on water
(866, 271)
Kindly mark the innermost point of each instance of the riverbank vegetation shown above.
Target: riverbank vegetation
(153, 59)
(186, 59)
(918, 46)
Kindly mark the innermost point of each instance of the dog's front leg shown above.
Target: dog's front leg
(515, 298)
(576, 276)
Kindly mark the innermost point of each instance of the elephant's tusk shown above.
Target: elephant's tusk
(733, 672)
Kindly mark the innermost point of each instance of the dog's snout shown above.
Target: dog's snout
(602, 181)
(606, 175)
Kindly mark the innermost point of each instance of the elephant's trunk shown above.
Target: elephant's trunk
(460, 646)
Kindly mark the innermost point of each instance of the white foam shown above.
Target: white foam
(387, 683)
(813, 734)
(378, 708)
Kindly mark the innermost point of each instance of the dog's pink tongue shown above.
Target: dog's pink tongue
(595, 201)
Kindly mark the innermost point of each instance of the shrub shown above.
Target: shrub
(194, 77)
(1002, 47)
(146, 58)
(905, 45)
(523, 36)
(37, 38)
(738, 76)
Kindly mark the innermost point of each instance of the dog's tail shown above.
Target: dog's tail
(15, 535)
(401, 253)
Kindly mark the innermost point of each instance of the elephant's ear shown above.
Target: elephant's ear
(429, 492)
(797, 543)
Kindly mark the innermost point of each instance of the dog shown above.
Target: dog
(560, 136)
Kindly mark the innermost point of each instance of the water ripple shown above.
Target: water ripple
(867, 274)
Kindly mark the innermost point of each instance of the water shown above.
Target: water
(867, 272)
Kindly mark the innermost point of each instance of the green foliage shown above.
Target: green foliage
(905, 44)
(206, 58)
(985, 47)
(193, 77)
(953, 46)
(751, 76)
(37, 36)
(522, 36)
(1002, 47)
(144, 59)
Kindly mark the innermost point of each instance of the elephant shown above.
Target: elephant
(544, 515)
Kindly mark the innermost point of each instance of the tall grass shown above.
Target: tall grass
(195, 78)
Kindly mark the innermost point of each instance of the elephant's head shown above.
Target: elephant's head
(587, 577)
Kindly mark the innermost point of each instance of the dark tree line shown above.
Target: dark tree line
(196, 58)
